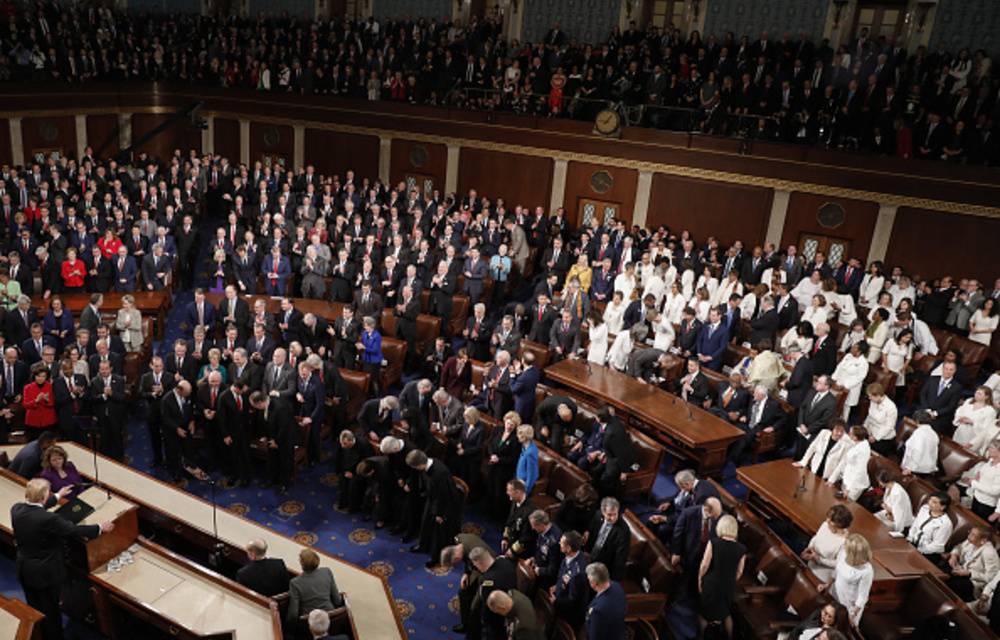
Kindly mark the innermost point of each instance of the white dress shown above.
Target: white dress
(853, 468)
(664, 334)
(614, 317)
(792, 337)
(687, 283)
(655, 286)
(850, 373)
(748, 305)
(827, 546)
(896, 356)
(975, 435)
(876, 342)
(620, 350)
(711, 284)
(847, 313)
(626, 284)
(852, 585)
(673, 307)
(726, 289)
(598, 349)
(851, 339)
(979, 321)
(804, 291)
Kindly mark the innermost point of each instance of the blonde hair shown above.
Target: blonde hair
(857, 551)
(727, 527)
(36, 490)
(525, 433)
(309, 560)
(514, 417)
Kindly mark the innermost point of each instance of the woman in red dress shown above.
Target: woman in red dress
(39, 403)
(109, 244)
(73, 272)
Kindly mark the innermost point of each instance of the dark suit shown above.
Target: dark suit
(789, 313)
(943, 403)
(572, 590)
(38, 536)
(311, 406)
(800, 382)
(643, 363)
(689, 540)
(700, 388)
(18, 329)
(443, 500)
(765, 327)
(268, 576)
(712, 343)
(30, 353)
(606, 615)
(816, 416)
(613, 552)
(564, 337)
(522, 388)
(771, 416)
(824, 356)
(739, 401)
(153, 418)
(125, 274)
(95, 363)
(110, 412)
(68, 404)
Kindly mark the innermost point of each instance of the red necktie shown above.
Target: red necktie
(239, 402)
(215, 391)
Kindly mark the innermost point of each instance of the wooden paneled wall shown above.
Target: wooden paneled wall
(728, 212)
(857, 227)
(524, 180)
(47, 134)
(418, 160)
(272, 141)
(333, 152)
(177, 136)
(6, 155)
(932, 244)
(226, 138)
(583, 183)
(102, 134)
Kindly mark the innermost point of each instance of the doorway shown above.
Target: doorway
(587, 208)
(423, 184)
(880, 18)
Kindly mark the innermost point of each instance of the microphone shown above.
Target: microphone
(801, 487)
(95, 438)
(218, 552)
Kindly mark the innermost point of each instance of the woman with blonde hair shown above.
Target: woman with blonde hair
(976, 421)
(720, 570)
(853, 576)
(527, 462)
(129, 324)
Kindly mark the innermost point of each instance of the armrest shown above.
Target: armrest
(763, 590)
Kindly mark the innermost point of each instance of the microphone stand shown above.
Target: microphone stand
(94, 440)
(218, 552)
(801, 487)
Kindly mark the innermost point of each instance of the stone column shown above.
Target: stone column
(558, 195)
(245, 141)
(883, 232)
(124, 130)
(16, 142)
(298, 146)
(384, 158)
(81, 135)
(643, 189)
(451, 168)
(776, 221)
(208, 135)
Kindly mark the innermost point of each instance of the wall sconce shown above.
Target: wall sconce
(923, 10)
(840, 5)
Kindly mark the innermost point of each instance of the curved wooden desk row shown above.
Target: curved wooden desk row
(682, 428)
(149, 303)
(373, 612)
(18, 621)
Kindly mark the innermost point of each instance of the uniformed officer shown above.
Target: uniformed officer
(519, 613)
(468, 587)
(518, 537)
(545, 563)
(499, 574)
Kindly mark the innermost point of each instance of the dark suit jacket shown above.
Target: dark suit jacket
(944, 404)
(606, 615)
(699, 385)
(713, 346)
(268, 577)
(764, 327)
(114, 358)
(16, 329)
(824, 359)
(568, 341)
(39, 535)
(819, 417)
(614, 552)
(687, 536)
(800, 381)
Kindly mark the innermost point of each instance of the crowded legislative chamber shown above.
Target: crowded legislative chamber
(499, 319)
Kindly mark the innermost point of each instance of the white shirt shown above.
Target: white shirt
(852, 585)
(853, 468)
(897, 503)
(881, 420)
(929, 534)
(814, 454)
(826, 545)
(921, 454)
(985, 485)
(850, 373)
(975, 436)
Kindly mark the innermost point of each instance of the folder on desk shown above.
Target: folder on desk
(75, 510)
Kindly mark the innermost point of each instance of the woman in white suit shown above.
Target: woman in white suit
(871, 285)
(129, 324)
(673, 304)
(663, 332)
(850, 373)
(975, 421)
(597, 351)
(897, 510)
(853, 468)
(614, 313)
(813, 457)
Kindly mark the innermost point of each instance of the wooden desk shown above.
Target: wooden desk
(149, 303)
(683, 428)
(18, 620)
(182, 598)
(373, 608)
(325, 309)
(111, 508)
(775, 483)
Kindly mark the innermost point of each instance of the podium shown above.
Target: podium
(122, 513)
(19, 621)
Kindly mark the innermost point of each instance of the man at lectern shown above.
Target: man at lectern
(39, 535)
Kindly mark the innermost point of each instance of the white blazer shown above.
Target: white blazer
(921, 452)
(983, 425)
(897, 503)
(853, 468)
(851, 373)
(597, 352)
(814, 454)
(664, 334)
(928, 534)
(982, 563)
(871, 286)
(881, 419)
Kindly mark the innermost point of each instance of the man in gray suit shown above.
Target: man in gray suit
(279, 379)
(90, 317)
(519, 249)
(314, 588)
(792, 266)
(647, 364)
(446, 413)
(818, 408)
(564, 338)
